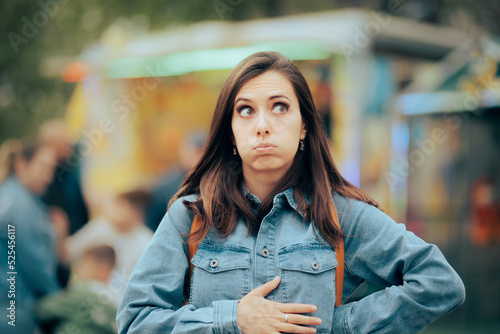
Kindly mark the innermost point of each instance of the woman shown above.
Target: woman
(29, 248)
(269, 195)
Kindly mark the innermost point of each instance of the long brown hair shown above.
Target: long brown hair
(217, 177)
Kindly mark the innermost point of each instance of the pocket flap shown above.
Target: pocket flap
(217, 258)
(310, 258)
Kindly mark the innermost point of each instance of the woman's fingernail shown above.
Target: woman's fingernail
(277, 278)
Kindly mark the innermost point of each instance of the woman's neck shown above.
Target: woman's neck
(24, 181)
(261, 184)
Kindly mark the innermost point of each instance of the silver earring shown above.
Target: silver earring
(301, 145)
(234, 150)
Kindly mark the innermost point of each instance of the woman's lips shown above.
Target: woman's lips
(264, 148)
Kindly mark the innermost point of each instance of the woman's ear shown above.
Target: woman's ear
(303, 131)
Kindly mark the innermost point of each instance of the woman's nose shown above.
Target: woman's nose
(263, 124)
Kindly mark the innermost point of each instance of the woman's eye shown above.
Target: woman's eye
(246, 112)
(280, 108)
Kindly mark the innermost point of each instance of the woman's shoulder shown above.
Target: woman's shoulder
(14, 199)
(179, 215)
(352, 211)
(179, 205)
(11, 187)
(346, 205)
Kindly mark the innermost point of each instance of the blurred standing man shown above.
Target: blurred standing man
(65, 190)
(190, 151)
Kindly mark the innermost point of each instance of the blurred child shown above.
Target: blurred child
(122, 227)
(85, 307)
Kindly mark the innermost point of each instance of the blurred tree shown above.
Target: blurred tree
(25, 97)
(41, 36)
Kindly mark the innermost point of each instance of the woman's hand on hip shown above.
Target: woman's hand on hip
(259, 315)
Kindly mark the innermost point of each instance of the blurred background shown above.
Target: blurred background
(409, 91)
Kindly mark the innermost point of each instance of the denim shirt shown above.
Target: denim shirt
(420, 284)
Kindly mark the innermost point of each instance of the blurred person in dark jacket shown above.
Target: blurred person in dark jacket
(27, 238)
(190, 150)
(65, 190)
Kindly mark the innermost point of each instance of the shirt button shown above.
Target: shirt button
(214, 263)
(315, 265)
(265, 252)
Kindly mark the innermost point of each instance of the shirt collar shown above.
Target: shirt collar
(288, 194)
(254, 200)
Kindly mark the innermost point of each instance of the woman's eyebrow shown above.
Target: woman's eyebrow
(278, 97)
(242, 99)
(270, 98)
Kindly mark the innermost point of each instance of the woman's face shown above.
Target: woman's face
(267, 124)
(37, 173)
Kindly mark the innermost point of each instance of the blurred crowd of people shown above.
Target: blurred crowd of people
(70, 269)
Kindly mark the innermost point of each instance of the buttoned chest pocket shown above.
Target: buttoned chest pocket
(308, 277)
(220, 272)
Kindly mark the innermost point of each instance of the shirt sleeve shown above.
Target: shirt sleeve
(153, 297)
(420, 284)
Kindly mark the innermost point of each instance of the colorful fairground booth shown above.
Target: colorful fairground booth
(411, 110)
(135, 99)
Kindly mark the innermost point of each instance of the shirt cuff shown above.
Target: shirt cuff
(341, 319)
(225, 312)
